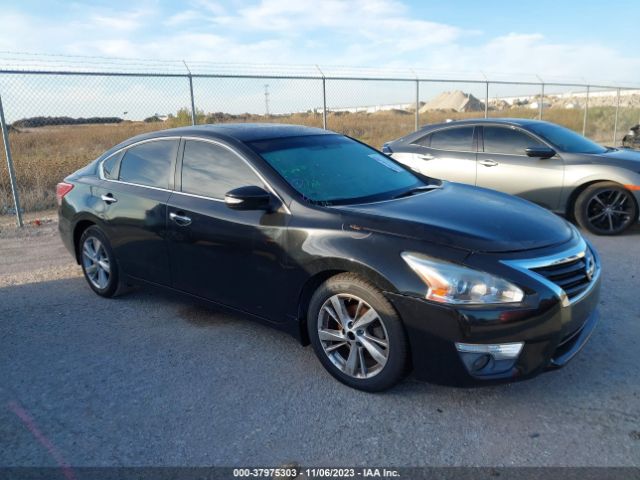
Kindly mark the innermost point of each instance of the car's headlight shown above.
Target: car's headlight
(450, 283)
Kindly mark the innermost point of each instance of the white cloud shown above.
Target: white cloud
(181, 18)
(117, 23)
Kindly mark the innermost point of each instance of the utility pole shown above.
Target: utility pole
(266, 99)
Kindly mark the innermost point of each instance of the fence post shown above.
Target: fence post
(12, 173)
(615, 122)
(417, 105)
(541, 102)
(324, 103)
(193, 103)
(586, 112)
(486, 101)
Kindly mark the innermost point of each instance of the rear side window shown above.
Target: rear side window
(423, 141)
(457, 139)
(110, 167)
(211, 170)
(149, 163)
(507, 141)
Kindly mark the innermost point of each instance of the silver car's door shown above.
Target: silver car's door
(448, 153)
(503, 165)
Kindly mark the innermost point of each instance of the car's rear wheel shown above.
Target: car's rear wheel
(98, 262)
(357, 334)
(606, 208)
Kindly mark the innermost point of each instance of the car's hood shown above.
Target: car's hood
(623, 157)
(466, 217)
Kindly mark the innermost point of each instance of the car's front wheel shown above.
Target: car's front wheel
(606, 208)
(98, 262)
(357, 334)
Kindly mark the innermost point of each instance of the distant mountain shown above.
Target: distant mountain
(456, 100)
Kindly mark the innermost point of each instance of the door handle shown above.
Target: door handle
(108, 198)
(426, 156)
(181, 220)
(488, 163)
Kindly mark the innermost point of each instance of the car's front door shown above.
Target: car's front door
(132, 201)
(448, 154)
(233, 257)
(503, 165)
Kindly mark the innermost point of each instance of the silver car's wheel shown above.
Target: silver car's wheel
(610, 210)
(606, 208)
(353, 336)
(96, 262)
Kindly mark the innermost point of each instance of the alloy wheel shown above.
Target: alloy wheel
(610, 210)
(96, 263)
(353, 336)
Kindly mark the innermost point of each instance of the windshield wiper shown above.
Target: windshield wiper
(413, 191)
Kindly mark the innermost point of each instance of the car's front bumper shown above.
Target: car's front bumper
(552, 334)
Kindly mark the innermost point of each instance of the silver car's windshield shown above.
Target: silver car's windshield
(566, 140)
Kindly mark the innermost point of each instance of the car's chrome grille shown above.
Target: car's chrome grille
(573, 276)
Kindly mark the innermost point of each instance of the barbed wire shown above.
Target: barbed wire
(29, 62)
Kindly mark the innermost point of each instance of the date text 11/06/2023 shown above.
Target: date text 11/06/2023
(312, 473)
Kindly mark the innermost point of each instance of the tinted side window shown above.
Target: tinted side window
(110, 166)
(149, 163)
(211, 170)
(507, 140)
(460, 139)
(423, 141)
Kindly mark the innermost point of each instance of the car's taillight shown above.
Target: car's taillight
(61, 190)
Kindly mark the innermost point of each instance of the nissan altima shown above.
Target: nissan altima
(383, 270)
(542, 162)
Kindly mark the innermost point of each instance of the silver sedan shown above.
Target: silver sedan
(545, 163)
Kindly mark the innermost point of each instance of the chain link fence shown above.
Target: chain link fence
(55, 121)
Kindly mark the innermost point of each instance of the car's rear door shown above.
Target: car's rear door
(503, 165)
(448, 153)
(132, 202)
(232, 257)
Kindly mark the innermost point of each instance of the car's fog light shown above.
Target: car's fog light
(481, 361)
(489, 359)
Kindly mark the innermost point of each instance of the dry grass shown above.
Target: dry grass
(44, 156)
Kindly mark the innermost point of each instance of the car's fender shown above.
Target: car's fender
(578, 177)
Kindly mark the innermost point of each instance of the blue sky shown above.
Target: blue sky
(570, 40)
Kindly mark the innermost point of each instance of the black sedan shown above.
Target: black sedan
(381, 269)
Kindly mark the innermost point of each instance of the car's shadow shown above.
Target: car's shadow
(172, 307)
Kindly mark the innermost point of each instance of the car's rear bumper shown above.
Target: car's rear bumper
(65, 228)
(551, 336)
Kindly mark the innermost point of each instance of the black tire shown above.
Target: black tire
(111, 287)
(387, 327)
(606, 208)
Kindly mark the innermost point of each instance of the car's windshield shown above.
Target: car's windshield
(566, 140)
(333, 169)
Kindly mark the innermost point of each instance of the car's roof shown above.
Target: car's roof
(486, 121)
(519, 122)
(244, 132)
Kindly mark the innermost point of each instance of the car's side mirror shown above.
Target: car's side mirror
(248, 198)
(540, 152)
